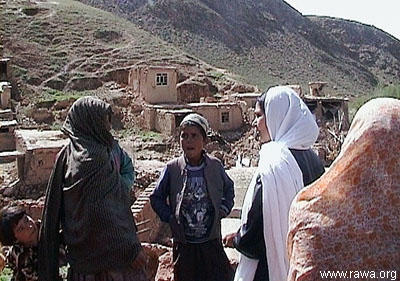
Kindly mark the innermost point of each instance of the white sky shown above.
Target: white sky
(383, 14)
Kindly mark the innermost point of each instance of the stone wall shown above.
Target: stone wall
(191, 91)
(147, 221)
(165, 122)
(37, 165)
(149, 118)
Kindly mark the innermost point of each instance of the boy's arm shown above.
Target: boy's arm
(228, 194)
(158, 198)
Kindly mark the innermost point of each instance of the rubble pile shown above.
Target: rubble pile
(32, 207)
(240, 148)
(145, 178)
(329, 142)
(156, 254)
(165, 267)
(146, 172)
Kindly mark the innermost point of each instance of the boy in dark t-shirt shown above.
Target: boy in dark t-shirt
(197, 210)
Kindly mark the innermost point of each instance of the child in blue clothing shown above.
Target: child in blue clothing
(193, 194)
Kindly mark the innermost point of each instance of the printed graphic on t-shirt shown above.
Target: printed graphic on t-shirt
(197, 210)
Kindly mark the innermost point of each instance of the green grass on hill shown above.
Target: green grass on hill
(55, 95)
(6, 274)
(392, 91)
(144, 135)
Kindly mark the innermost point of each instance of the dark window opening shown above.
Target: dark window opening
(311, 106)
(161, 79)
(225, 117)
(3, 71)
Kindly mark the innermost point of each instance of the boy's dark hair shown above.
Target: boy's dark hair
(193, 124)
(9, 218)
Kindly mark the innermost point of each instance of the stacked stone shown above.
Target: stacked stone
(146, 219)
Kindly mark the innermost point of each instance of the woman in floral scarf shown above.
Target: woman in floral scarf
(349, 220)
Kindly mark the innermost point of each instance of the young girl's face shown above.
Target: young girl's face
(26, 231)
(192, 143)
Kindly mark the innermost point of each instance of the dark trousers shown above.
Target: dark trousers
(262, 270)
(201, 262)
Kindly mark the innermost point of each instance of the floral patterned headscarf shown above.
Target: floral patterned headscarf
(349, 219)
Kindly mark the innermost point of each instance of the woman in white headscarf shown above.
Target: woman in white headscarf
(287, 131)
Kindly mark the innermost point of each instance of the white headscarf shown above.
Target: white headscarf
(290, 125)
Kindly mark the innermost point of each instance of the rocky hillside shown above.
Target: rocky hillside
(268, 42)
(61, 47)
(372, 47)
(70, 46)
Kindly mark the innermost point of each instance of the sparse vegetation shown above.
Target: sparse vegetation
(150, 136)
(142, 134)
(18, 71)
(261, 48)
(217, 75)
(107, 35)
(6, 274)
(51, 95)
(392, 91)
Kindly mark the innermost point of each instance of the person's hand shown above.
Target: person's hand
(228, 240)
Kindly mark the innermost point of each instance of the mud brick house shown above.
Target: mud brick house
(166, 106)
(156, 84)
(248, 98)
(327, 109)
(165, 119)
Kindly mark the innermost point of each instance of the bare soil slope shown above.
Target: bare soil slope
(68, 46)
